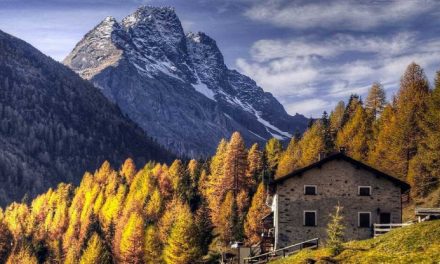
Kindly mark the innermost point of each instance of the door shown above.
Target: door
(385, 218)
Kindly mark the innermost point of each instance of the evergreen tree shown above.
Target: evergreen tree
(376, 100)
(132, 240)
(335, 232)
(182, 247)
(204, 228)
(253, 225)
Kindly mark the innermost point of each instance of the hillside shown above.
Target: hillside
(176, 85)
(418, 243)
(54, 125)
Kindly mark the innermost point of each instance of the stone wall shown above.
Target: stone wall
(337, 181)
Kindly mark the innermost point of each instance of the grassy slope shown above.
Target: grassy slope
(419, 243)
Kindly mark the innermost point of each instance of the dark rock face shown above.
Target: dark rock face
(176, 86)
(54, 125)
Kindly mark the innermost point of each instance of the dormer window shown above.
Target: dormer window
(364, 191)
(310, 190)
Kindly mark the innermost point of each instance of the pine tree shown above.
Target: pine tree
(273, 153)
(376, 100)
(95, 252)
(132, 240)
(253, 225)
(182, 247)
(335, 231)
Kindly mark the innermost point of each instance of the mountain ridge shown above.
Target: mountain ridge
(55, 125)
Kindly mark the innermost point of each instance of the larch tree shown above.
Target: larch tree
(335, 231)
(254, 166)
(95, 252)
(336, 118)
(376, 100)
(235, 165)
(253, 225)
(214, 189)
(289, 158)
(356, 135)
(128, 170)
(410, 104)
(182, 246)
(5, 242)
(311, 145)
(273, 151)
(383, 154)
(131, 247)
(424, 171)
(152, 247)
(353, 102)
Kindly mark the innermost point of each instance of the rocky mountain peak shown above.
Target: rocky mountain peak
(176, 86)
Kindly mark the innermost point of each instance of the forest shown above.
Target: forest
(190, 211)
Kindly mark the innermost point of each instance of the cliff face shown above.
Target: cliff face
(176, 85)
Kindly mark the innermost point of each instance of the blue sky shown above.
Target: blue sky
(309, 54)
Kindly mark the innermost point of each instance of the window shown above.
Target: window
(309, 218)
(364, 219)
(310, 189)
(364, 190)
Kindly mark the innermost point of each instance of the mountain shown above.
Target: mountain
(54, 125)
(176, 86)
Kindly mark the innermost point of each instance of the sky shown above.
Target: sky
(308, 54)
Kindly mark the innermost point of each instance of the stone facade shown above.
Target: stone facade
(337, 182)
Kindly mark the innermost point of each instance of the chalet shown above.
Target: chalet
(305, 198)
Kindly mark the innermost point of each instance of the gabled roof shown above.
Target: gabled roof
(341, 156)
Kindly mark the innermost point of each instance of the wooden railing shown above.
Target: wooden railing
(282, 252)
(380, 229)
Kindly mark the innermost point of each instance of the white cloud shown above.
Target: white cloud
(332, 69)
(308, 107)
(358, 15)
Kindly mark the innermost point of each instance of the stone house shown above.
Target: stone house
(305, 198)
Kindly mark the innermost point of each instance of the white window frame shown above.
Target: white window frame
(304, 217)
(359, 190)
(310, 185)
(359, 219)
